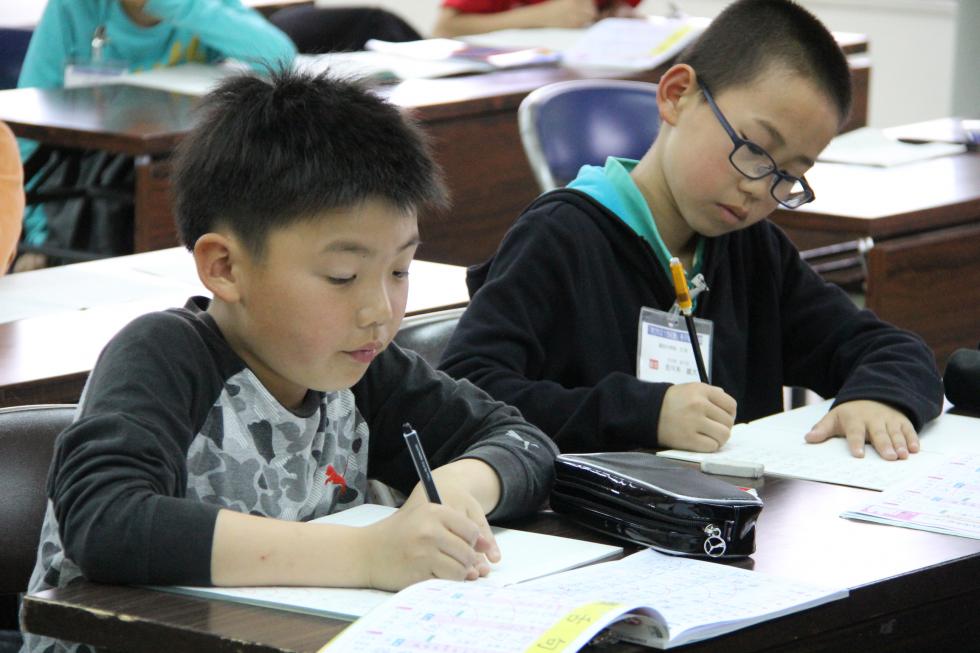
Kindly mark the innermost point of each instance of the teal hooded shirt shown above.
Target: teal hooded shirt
(614, 188)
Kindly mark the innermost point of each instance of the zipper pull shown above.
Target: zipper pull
(714, 544)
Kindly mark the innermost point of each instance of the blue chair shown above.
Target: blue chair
(13, 49)
(570, 124)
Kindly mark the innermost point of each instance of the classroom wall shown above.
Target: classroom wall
(966, 72)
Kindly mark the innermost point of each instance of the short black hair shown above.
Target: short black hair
(268, 151)
(750, 37)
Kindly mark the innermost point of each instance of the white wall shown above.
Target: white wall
(966, 71)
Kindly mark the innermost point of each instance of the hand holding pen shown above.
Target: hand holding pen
(427, 538)
(455, 508)
(694, 416)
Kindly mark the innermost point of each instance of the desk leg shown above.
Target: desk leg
(154, 222)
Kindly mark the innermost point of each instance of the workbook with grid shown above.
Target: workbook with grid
(648, 598)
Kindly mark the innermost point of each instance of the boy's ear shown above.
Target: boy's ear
(218, 259)
(679, 83)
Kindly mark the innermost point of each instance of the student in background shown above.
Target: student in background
(460, 17)
(206, 436)
(144, 34)
(11, 197)
(93, 38)
(553, 324)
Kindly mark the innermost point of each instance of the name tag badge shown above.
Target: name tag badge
(664, 354)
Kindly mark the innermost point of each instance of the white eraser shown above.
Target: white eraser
(732, 468)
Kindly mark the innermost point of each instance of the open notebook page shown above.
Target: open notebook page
(524, 555)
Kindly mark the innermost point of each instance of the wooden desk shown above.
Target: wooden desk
(46, 356)
(472, 121)
(910, 591)
(144, 123)
(925, 220)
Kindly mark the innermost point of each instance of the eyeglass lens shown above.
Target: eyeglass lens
(755, 163)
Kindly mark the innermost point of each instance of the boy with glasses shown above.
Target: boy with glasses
(571, 320)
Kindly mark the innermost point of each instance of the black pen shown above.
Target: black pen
(686, 306)
(420, 462)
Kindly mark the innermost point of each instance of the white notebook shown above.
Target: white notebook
(777, 442)
(872, 147)
(648, 598)
(524, 556)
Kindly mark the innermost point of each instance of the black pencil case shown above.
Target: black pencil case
(656, 502)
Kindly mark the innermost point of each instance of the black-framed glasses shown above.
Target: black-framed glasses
(755, 163)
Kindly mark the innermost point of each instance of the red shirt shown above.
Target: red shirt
(495, 6)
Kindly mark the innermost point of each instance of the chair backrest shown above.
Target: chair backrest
(570, 124)
(429, 333)
(13, 49)
(27, 435)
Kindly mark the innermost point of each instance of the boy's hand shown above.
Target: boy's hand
(455, 485)
(423, 540)
(696, 417)
(889, 430)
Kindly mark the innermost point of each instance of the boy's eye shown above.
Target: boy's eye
(754, 149)
(340, 281)
(400, 274)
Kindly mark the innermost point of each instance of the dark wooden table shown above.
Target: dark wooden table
(144, 123)
(472, 121)
(909, 591)
(923, 272)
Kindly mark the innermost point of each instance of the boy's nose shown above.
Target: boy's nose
(755, 188)
(376, 308)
